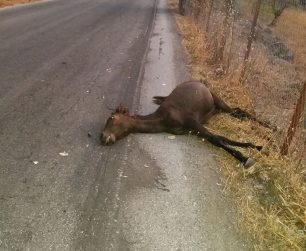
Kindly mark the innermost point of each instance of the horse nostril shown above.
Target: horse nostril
(107, 139)
(103, 138)
(111, 139)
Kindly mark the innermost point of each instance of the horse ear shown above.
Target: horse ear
(123, 110)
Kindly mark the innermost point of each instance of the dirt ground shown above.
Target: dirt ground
(4, 3)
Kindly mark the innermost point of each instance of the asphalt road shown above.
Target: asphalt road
(63, 65)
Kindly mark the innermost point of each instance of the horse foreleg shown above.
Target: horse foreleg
(240, 144)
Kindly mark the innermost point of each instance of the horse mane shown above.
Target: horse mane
(121, 110)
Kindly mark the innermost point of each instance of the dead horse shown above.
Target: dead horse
(189, 105)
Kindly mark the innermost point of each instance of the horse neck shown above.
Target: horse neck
(149, 123)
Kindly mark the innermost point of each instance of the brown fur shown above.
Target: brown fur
(188, 106)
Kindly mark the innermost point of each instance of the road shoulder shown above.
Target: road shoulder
(175, 200)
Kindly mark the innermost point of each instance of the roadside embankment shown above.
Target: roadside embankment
(270, 196)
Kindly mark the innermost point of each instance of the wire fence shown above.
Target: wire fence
(261, 43)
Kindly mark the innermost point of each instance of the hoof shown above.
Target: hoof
(250, 162)
(264, 151)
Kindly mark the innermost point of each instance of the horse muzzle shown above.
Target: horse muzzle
(108, 139)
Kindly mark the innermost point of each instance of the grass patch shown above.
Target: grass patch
(4, 3)
(271, 195)
(291, 27)
(247, 9)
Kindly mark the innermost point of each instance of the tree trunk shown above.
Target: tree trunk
(250, 40)
(210, 7)
(182, 7)
(225, 29)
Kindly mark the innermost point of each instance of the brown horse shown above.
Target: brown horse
(190, 105)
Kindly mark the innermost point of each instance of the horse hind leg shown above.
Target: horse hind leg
(241, 114)
(238, 113)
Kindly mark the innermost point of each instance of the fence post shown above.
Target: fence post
(182, 7)
(228, 6)
(250, 40)
(299, 109)
(210, 8)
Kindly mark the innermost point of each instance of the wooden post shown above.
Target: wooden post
(250, 40)
(299, 109)
(182, 7)
(210, 8)
(225, 29)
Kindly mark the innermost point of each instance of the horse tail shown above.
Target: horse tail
(158, 100)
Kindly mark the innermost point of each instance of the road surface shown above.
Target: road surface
(64, 64)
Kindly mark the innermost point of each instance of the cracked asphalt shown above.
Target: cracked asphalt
(64, 65)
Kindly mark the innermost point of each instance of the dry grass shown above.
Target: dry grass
(270, 196)
(291, 27)
(195, 43)
(4, 3)
(267, 78)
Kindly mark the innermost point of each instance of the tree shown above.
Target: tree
(182, 7)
